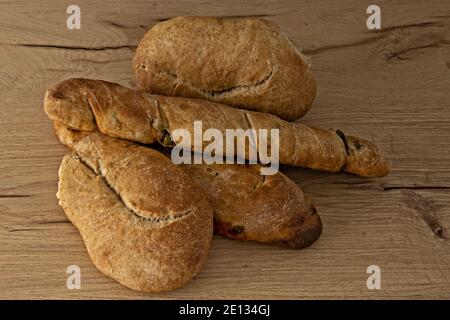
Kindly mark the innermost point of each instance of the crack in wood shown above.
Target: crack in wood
(64, 70)
(15, 195)
(408, 26)
(441, 17)
(341, 46)
(382, 187)
(53, 222)
(243, 16)
(26, 229)
(49, 46)
(98, 62)
(427, 212)
(436, 44)
(123, 26)
(382, 34)
(236, 16)
(415, 188)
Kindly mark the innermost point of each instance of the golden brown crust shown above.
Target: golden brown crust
(69, 137)
(85, 105)
(142, 218)
(364, 159)
(249, 206)
(300, 145)
(247, 63)
(155, 116)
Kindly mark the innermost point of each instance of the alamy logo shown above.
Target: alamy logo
(233, 147)
(74, 20)
(374, 20)
(74, 279)
(374, 280)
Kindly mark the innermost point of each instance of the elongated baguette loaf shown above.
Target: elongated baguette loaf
(247, 63)
(246, 205)
(141, 217)
(88, 105)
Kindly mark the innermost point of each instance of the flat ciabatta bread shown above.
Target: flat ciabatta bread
(143, 220)
(87, 105)
(246, 63)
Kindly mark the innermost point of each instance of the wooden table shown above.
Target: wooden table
(391, 86)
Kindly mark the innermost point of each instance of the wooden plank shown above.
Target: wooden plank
(391, 86)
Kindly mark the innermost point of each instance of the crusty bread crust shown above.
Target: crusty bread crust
(134, 115)
(247, 206)
(247, 63)
(69, 137)
(85, 105)
(141, 217)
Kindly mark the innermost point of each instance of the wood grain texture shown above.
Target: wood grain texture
(391, 86)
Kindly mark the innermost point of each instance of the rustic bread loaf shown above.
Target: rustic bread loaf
(84, 104)
(247, 206)
(250, 206)
(143, 220)
(246, 63)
